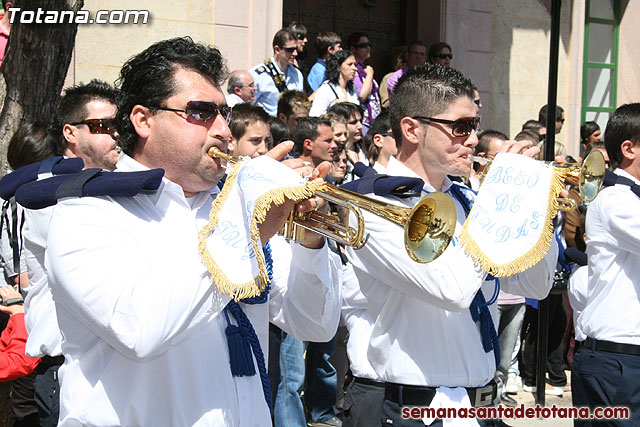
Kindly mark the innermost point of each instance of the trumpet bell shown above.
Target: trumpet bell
(429, 228)
(592, 175)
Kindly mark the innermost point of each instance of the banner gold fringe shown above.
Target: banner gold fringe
(255, 287)
(536, 253)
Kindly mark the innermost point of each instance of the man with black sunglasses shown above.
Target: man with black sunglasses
(150, 340)
(83, 123)
(278, 73)
(427, 342)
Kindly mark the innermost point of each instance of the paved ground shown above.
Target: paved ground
(528, 399)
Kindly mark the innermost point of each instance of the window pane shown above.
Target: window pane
(600, 118)
(599, 88)
(601, 9)
(600, 43)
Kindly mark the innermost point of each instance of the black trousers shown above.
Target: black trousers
(47, 394)
(604, 379)
(555, 360)
(362, 405)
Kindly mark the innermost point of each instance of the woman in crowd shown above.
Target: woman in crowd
(367, 87)
(589, 133)
(441, 53)
(380, 143)
(338, 86)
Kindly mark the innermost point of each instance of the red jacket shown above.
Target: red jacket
(13, 362)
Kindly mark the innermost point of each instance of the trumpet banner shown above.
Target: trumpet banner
(230, 243)
(510, 226)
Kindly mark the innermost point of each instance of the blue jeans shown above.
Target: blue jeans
(288, 410)
(322, 381)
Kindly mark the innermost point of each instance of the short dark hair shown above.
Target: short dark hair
(308, 129)
(290, 99)
(282, 36)
(279, 130)
(426, 90)
(623, 125)
(148, 78)
(299, 30)
(353, 38)
(332, 74)
(485, 137)
(345, 109)
(381, 124)
(326, 40)
(72, 106)
(587, 129)
(32, 142)
(533, 125)
(544, 111)
(245, 114)
(436, 49)
(416, 43)
(528, 135)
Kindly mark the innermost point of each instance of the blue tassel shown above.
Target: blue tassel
(240, 357)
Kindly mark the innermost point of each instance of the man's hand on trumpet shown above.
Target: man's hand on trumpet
(277, 215)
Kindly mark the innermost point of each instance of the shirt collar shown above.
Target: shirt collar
(396, 168)
(624, 173)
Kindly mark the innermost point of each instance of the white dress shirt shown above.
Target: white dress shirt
(423, 332)
(267, 94)
(233, 99)
(40, 311)
(143, 333)
(359, 323)
(327, 95)
(578, 283)
(612, 309)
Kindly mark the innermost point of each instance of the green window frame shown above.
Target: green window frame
(591, 66)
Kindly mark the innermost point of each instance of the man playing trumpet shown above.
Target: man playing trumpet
(147, 335)
(433, 342)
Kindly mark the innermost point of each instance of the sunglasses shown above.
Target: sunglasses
(363, 45)
(290, 49)
(202, 111)
(99, 126)
(445, 56)
(477, 102)
(388, 133)
(461, 127)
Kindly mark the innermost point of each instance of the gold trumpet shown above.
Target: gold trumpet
(588, 177)
(428, 226)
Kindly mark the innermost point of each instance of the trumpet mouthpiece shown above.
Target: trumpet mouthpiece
(480, 160)
(215, 152)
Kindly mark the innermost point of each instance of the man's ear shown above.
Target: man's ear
(411, 130)
(276, 49)
(231, 146)
(141, 119)
(626, 148)
(70, 134)
(237, 90)
(307, 145)
(282, 117)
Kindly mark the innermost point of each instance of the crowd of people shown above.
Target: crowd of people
(122, 323)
